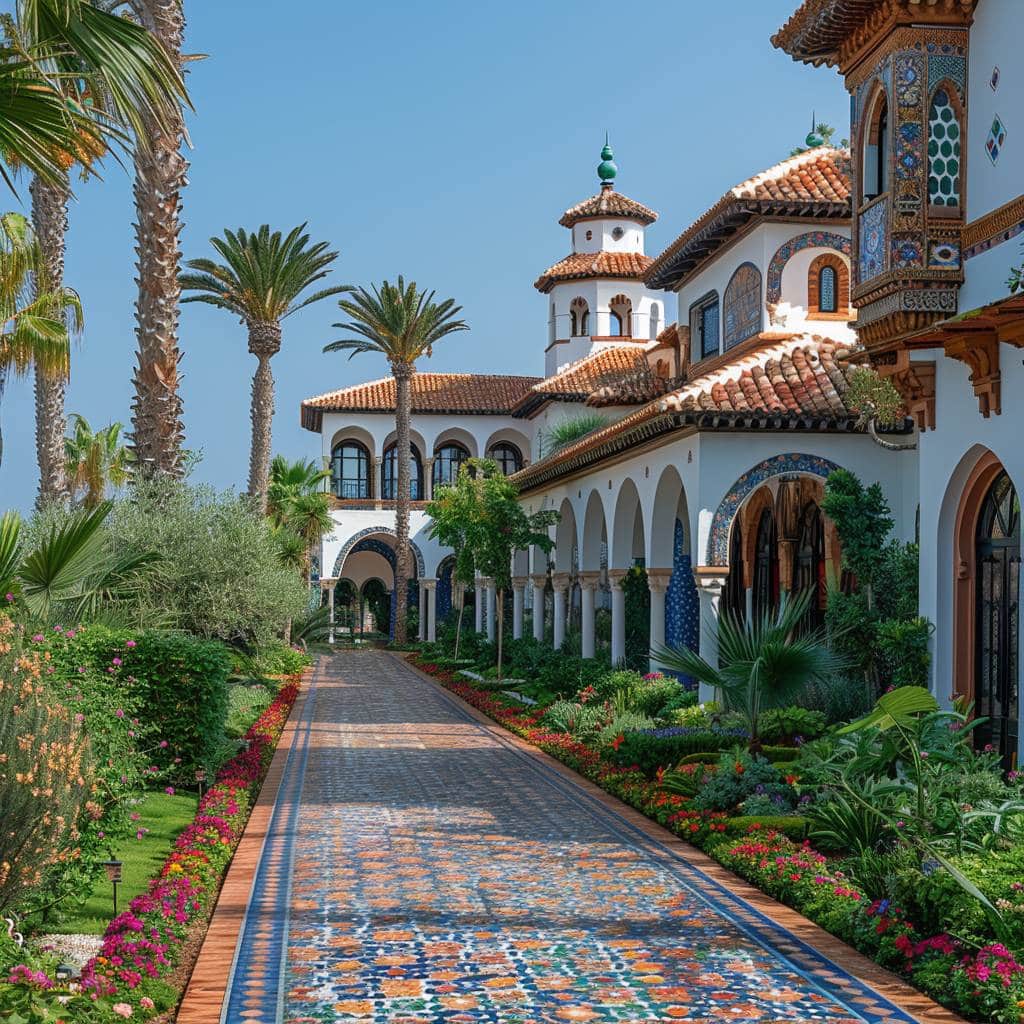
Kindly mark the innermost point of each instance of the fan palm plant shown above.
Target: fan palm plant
(403, 324)
(117, 73)
(762, 663)
(289, 480)
(261, 281)
(94, 460)
(308, 517)
(34, 325)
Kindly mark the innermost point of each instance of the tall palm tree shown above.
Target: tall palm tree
(403, 324)
(290, 480)
(308, 516)
(161, 174)
(34, 325)
(119, 74)
(261, 281)
(94, 460)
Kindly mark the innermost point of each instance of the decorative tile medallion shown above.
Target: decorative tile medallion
(996, 139)
(907, 251)
(778, 465)
(943, 255)
(873, 242)
(421, 869)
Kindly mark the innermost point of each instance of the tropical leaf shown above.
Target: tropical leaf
(896, 709)
(10, 549)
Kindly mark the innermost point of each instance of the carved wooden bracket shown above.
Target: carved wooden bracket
(979, 350)
(916, 384)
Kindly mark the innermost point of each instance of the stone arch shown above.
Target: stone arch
(565, 537)
(579, 317)
(777, 465)
(809, 240)
(627, 521)
(668, 507)
(595, 534)
(357, 538)
(457, 435)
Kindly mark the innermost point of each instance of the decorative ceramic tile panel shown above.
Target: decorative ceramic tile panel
(873, 241)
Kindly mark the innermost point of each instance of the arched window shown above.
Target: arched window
(620, 312)
(350, 470)
(876, 150)
(704, 326)
(734, 599)
(943, 151)
(827, 297)
(742, 306)
(389, 474)
(997, 616)
(766, 566)
(809, 563)
(507, 456)
(579, 316)
(447, 461)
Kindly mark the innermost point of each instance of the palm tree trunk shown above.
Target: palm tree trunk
(50, 222)
(403, 411)
(264, 343)
(160, 176)
(3, 385)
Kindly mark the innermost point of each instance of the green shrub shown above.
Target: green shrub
(277, 658)
(245, 705)
(777, 724)
(740, 775)
(903, 655)
(777, 755)
(652, 749)
(792, 826)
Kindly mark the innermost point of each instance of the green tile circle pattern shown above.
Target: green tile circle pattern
(943, 152)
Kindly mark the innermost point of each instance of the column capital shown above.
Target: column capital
(658, 579)
(328, 582)
(590, 580)
(429, 584)
(486, 581)
(710, 579)
(616, 576)
(561, 580)
(519, 582)
(540, 579)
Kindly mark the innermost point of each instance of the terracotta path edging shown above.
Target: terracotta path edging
(208, 986)
(887, 984)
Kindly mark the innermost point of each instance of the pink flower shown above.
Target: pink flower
(163, 744)
(37, 638)
(79, 717)
(130, 643)
(119, 713)
(122, 1009)
(169, 791)
(115, 661)
(10, 597)
(146, 1003)
(70, 634)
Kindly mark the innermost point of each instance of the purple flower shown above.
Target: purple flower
(169, 791)
(38, 638)
(10, 597)
(115, 661)
(130, 643)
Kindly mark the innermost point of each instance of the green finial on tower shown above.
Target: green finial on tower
(814, 137)
(606, 169)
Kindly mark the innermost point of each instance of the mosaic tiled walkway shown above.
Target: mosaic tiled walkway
(419, 868)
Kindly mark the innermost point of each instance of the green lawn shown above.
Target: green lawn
(165, 816)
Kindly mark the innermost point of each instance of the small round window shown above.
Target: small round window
(617, 233)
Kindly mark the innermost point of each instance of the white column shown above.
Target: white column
(330, 604)
(518, 601)
(478, 607)
(710, 582)
(615, 578)
(429, 613)
(657, 584)
(561, 585)
(539, 582)
(428, 479)
(423, 611)
(377, 483)
(588, 591)
(491, 610)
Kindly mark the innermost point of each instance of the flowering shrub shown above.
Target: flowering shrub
(143, 944)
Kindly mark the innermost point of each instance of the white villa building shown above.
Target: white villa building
(721, 366)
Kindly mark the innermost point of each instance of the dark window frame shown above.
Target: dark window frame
(389, 473)
(363, 482)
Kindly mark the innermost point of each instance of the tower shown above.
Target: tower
(596, 294)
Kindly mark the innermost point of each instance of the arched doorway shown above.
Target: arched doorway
(376, 607)
(765, 595)
(996, 616)
(809, 563)
(734, 599)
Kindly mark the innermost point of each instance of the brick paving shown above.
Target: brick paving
(420, 866)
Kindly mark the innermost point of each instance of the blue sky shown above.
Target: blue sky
(441, 141)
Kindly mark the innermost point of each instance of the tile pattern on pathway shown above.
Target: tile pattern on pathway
(419, 869)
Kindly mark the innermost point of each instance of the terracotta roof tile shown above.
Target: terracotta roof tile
(816, 182)
(817, 27)
(608, 203)
(580, 379)
(431, 393)
(580, 265)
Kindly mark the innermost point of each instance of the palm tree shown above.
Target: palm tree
(118, 74)
(289, 480)
(762, 663)
(94, 460)
(33, 324)
(308, 516)
(261, 280)
(403, 324)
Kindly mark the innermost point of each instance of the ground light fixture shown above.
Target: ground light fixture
(64, 973)
(113, 869)
(200, 779)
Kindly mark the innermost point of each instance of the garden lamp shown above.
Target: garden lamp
(64, 973)
(113, 868)
(200, 779)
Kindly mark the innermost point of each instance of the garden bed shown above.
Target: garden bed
(149, 949)
(973, 972)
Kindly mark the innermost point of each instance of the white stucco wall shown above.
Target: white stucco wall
(602, 232)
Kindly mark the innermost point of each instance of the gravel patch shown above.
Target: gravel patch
(75, 950)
